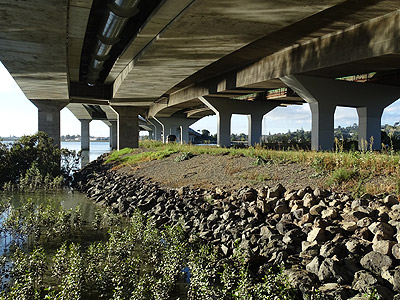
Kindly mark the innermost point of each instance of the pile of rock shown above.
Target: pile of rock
(344, 247)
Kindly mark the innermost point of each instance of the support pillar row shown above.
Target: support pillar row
(224, 108)
(178, 126)
(324, 94)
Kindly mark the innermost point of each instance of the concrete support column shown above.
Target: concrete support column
(184, 134)
(85, 134)
(369, 127)
(322, 126)
(49, 117)
(324, 94)
(224, 129)
(113, 135)
(128, 126)
(157, 130)
(224, 108)
(255, 128)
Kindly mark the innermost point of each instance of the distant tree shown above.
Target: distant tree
(205, 133)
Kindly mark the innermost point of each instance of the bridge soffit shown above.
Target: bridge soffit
(374, 38)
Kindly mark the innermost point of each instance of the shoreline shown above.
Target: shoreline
(342, 246)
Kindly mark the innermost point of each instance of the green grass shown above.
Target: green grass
(116, 155)
(342, 175)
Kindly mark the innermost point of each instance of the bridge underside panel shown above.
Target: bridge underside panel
(33, 43)
(207, 31)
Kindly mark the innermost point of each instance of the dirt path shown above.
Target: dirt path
(226, 172)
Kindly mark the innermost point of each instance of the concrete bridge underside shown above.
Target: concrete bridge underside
(184, 59)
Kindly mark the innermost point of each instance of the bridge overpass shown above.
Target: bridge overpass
(175, 61)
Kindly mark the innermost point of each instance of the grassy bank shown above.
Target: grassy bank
(355, 171)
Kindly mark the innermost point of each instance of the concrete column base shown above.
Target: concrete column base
(49, 117)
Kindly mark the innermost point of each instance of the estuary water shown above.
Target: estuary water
(96, 149)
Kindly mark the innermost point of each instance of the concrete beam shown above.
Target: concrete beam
(224, 108)
(325, 94)
(128, 126)
(49, 117)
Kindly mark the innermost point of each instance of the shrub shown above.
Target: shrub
(35, 162)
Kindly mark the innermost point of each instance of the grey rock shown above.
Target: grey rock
(396, 280)
(301, 279)
(396, 251)
(365, 222)
(376, 262)
(330, 249)
(263, 206)
(291, 195)
(383, 246)
(390, 200)
(321, 193)
(329, 270)
(349, 226)
(276, 191)
(330, 213)
(313, 266)
(309, 200)
(316, 209)
(383, 228)
(363, 281)
(316, 234)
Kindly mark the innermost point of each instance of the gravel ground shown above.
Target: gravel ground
(226, 172)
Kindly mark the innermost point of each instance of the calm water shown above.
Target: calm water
(96, 149)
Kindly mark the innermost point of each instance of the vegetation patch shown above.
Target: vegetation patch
(184, 156)
(341, 175)
(134, 260)
(35, 162)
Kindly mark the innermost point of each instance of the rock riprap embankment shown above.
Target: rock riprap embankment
(328, 241)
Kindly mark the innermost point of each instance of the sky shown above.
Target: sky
(18, 116)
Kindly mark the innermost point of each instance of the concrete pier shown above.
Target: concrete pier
(85, 134)
(127, 126)
(113, 134)
(49, 117)
(224, 108)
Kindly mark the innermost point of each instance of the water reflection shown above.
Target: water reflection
(96, 149)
